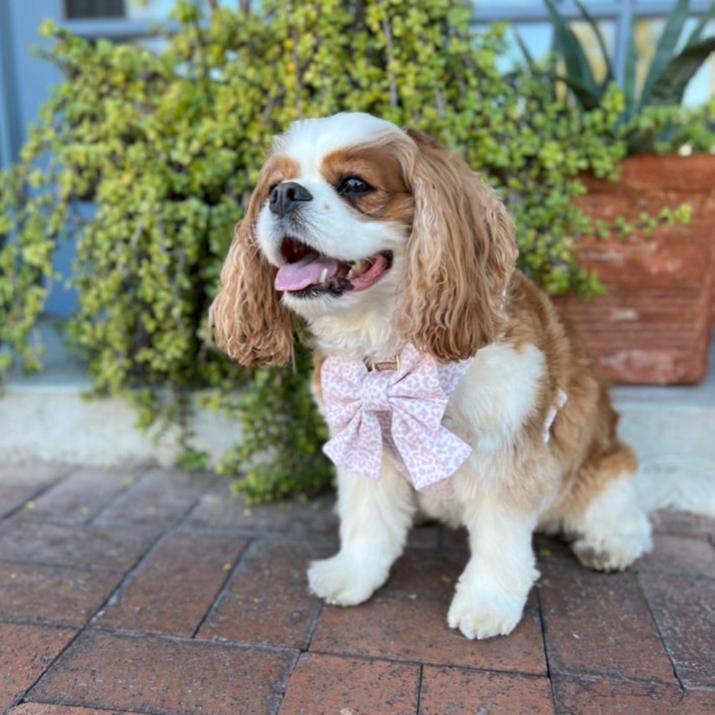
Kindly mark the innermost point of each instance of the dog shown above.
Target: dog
(451, 387)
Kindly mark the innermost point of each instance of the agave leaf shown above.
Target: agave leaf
(577, 65)
(587, 97)
(697, 33)
(599, 38)
(629, 80)
(665, 48)
(524, 49)
(675, 77)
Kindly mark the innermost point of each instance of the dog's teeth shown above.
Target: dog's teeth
(356, 270)
(324, 275)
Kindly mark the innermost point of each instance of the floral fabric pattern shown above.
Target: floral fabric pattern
(402, 408)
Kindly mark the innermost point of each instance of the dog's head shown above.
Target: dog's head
(353, 214)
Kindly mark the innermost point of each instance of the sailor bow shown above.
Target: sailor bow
(403, 407)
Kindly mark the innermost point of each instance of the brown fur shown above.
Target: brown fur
(461, 254)
(584, 434)
(380, 167)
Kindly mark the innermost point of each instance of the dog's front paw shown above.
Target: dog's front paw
(344, 580)
(483, 613)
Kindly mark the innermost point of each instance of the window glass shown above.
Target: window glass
(85, 9)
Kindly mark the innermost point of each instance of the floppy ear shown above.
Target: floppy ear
(460, 255)
(249, 322)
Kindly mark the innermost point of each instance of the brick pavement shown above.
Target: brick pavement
(153, 592)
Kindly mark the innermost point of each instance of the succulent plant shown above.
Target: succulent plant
(668, 76)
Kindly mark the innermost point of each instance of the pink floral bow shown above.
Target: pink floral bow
(403, 407)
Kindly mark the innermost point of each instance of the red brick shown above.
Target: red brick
(416, 630)
(603, 696)
(329, 685)
(175, 586)
(27, 540)
(267, 600)
(685, 611)
(20, 482)
(52, 594)
(453, 691)
(697, 702)
(45, 709)
(423, 573)
(455, 542)
(600, 623)
(25, 652)
(680, 522)
(79, 497)
(218, 509)
(108, 671)
(162, 496)
(550, 548)
(424, 536)
(676, 553)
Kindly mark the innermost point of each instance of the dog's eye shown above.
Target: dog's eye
(353, 186)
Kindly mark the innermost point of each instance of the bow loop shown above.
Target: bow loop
(375, 395)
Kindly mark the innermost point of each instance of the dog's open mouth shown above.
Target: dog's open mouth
(308, 273)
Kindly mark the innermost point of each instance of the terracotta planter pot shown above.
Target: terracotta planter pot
(654, 323)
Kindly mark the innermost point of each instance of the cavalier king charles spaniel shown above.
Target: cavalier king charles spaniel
(451, 387)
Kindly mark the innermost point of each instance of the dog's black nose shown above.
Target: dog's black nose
(286, 197)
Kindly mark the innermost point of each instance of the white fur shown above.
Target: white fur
(498, 393)
(614, 530)
(355, 324)
(678, 482)
(308, 141)
(375, 517)
(492, 590)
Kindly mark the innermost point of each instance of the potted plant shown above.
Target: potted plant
(653, 323)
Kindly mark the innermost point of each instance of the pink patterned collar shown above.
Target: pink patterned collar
(401, 407)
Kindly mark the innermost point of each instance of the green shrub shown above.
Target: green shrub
(167, 148)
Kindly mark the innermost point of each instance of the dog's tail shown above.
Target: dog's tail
(678, 482)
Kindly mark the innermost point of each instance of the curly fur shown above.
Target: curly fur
(249, 322)
(461, 254)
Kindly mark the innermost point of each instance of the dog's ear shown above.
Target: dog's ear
(460, 255)
(248, 320)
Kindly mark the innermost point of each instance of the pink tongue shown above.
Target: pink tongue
(296, 276)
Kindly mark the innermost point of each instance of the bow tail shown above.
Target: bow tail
(430, 455)
(357, 448)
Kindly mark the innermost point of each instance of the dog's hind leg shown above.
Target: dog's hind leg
(610, 523)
